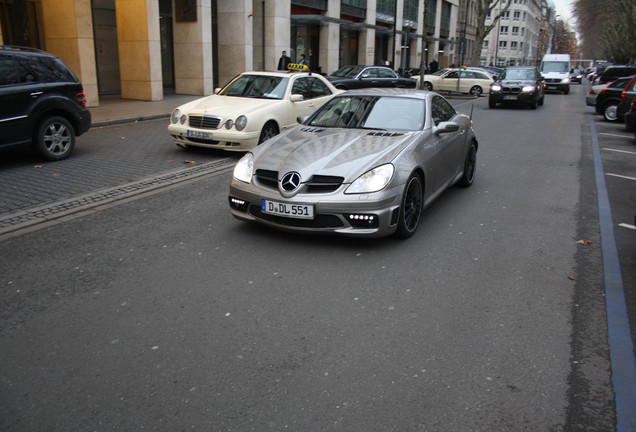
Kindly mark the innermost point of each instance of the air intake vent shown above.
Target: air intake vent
(385, 134)
(312, 130)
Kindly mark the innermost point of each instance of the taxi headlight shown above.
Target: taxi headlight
(229, 124)
(240, 123)
(175, 116)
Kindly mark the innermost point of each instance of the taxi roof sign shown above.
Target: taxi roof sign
(298, 67)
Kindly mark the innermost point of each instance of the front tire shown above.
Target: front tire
(610, 111)
(428, 86)
(411, 209)
(55, 138)
(269, 130)
(470, 166)
(492, 104)
(476, 91)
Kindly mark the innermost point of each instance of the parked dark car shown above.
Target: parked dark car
(630, 118)
(518, 84)
(608, 100)
(612, 73)
(42, 103)
(355, 77)
(627, 97)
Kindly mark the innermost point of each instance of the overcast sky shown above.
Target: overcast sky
(563, 8)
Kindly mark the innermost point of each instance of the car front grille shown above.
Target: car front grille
(553, 80)
(203, 121)
(317, 184)
(510, 90)
(319, 221)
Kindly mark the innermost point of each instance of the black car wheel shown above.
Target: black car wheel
(55, 138)
(269, 130)
(533, 104)
(492, 103)
(470, 166)
(476, 91)
(428, 86)
(610, 111)
(411, 210)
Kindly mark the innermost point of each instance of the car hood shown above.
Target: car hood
(227, 106)
(517, 82)
(346, 153)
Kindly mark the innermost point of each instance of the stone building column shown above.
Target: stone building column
(235, 33)
(417, 45)
(366, 46)
(330, 39)
(192, 42)
(139, 49)
(277, 35)
(68, 29)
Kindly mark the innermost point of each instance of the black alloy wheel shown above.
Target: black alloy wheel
(428, 86)
(411, 210)
(55, 138)
(470, 166)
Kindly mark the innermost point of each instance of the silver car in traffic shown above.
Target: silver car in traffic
(365, 164)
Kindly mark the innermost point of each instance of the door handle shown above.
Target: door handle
(38, 93)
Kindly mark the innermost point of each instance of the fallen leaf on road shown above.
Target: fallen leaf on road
(122, 137)
(170, 161)
(571, 277)
(37, 166)
(56, 175)
(584, 242)
(189, 161)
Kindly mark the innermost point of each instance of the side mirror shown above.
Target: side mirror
(297, 98)
(446, 127)
(217, 90)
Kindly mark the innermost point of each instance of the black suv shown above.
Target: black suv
(42, 103)
(612, 73)
(518, 84)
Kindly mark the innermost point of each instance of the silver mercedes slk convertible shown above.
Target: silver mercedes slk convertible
(365, 164)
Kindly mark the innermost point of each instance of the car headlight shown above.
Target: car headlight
(240, 123)
(244, 167)
(565, 80)
(495, 87)
(175, 116)
(527, 89)
(372, 181)
(229, 124)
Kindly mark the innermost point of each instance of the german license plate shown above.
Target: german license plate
(510, 97)
(199, 134)
(299, 211)
(551, 87)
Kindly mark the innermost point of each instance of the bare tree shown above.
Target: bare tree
(485, 8)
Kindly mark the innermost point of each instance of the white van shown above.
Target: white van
(555, 68)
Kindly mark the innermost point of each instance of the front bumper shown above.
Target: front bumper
(333, 212)
(519, 97)
(220, 138)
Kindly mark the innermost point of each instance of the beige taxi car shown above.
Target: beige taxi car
(472, 81)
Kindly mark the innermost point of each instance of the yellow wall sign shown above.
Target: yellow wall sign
(298, 67)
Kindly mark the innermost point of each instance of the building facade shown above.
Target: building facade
(141, 49)
(514, 40)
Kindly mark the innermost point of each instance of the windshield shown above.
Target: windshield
(347, 72)
(371, 112)
(256, 86)
(555, 66)
(440, 72)
(518, 74)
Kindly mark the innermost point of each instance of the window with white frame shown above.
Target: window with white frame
(513, 46)
(506, 15)
(503, 45)
(516, 15)
(485, 44)
(503, 30)
(515, 31)
(523, 30)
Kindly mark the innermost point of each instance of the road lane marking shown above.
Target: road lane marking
(619, 151)
(615, 135)
(621, 344)
(621, 176)
(624, 225)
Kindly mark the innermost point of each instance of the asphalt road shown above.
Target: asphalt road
(161, 312)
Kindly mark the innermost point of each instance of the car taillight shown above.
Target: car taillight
(624, 96)
(633, 104)
(592, 91)
(81, 98)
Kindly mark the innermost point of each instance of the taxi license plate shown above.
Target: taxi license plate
(199, 134)
(299, 211)
(510, 97)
